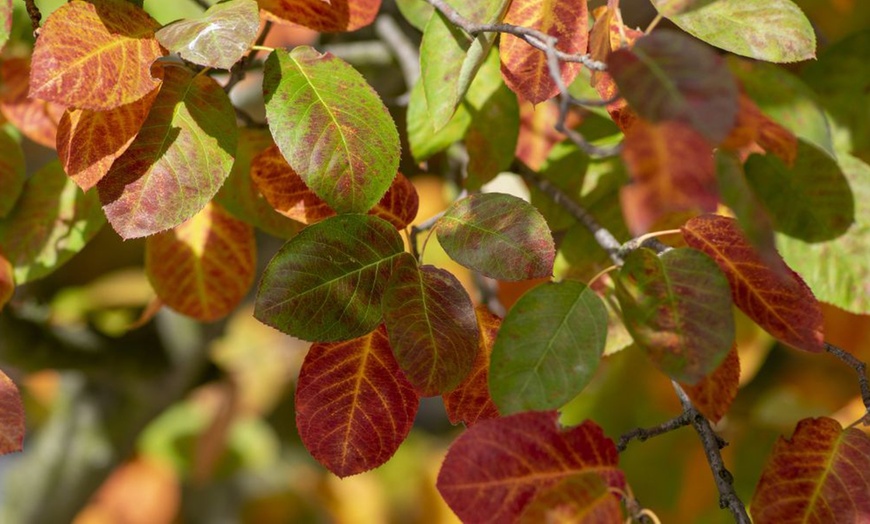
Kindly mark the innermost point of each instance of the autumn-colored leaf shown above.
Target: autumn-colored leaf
(754, 132)
(432, 326)
(11, 172)
(822, 474)
(7, 282)
(578, 499)
(470, 402)
(538, 133)
(713, 395)
(499, 235)
(400, 204)
(11, 417)
(142, 490)
(525, 68)
(672, 170)
(497, 467)
(331, 127)
(780, 302)
(36, 119)
(327, 17)
(326, 283)
(669, 76)
(95, 55)
(204, 267)
(285, 191)
(88, 142)
(354, 407)
(219, 38)
(178, 161)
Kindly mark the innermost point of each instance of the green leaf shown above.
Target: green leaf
(326, 283)
(331, 127)
(432, 327)
(769, 30)
(5, 21)
(11, 172)
(416, 12)
(52, 221)
(810, 201)
(423, 140)
(548, 347)
(677, 306)
(498, 235)
(565, 168)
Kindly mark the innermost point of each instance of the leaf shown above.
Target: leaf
(578, 499)
(779, 302)
(178, 161)
(811, 201)
(754, 132)
(331, 127)
(497, 467)
(5, 21)
(204, 267)
(327, 17)
(525, 68)
(219, 38)
(89, 142)
(826, 470)
(713, 395)
(470, 402)
(423, 139)
(400, 204)
(416, 12)
(672, 170)
(498, 235)
(52, 221)
(668, 76)
(354, 407)
(769, 30)
(7, 281)
(677, 306)
(325, 284)
(11, 417)
(36, 119)
(538, 133)
(11, 172)
(548, 347)
(108, 42)
(432, 326)
(565, 168)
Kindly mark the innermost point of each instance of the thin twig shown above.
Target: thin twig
(405, 52)
(248, 120)
(643, 434)
(488, 289)
(859, 367)
(422, 227)
(34, 14)
(238, 72)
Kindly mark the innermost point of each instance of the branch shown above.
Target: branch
(238, 72)
(34, 14)
(642, 434)
(405, 52)
(488, 289)
(859, 367)
(422, 227)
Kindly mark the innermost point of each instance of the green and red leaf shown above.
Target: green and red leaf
(7, 281)
(713, 395)
(5, 21)
(578, 499)
(36, 119)
(11, 417)
(400, 204)
(11, 172)
(332, 16)
(754, 131)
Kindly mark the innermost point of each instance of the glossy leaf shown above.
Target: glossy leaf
(5, 21)
(499, 235)
(497, 467)
(331, 127)
(219, 38)
(204, 267)
(780, 302)
(354, 407)
(668, 76)
(525, 68)
(88, 142)
(470, 402)
(811, 201)
(52, 221)
(326, 283)
(821, 474)
(677, 306)
(327, 17)
(578, 499)
(11, 417)
(108, 42)
(432, 326)
(11, 172)
(548, 347)
(7, 282)
(36, 119)
(178, 161)
(284, 189)
(713, 395)
(423, 139)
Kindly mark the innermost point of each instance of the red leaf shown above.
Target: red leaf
(36, 119)
(325, 16)
(471, 402)
(400, 204)
(354, 407)
(11, 417)
(714, 394)
(821, 475)
(493, 470)
(7, 282)
(779, 302)
(579, 499)
(538, 132)
(755, 132)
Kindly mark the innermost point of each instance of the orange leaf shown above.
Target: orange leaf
(11, 417)
(525, 68)
(95, 55)
(400, 203)
(755, 132)
(780, 302)
(470, 402)
(538, 132)
(821, 475)
(7, 282)
(354, 407)
(672, 170)
(605, 37)
(714, 394)
(579, 499)
(37, 119)
(204, 267)
(326, 16)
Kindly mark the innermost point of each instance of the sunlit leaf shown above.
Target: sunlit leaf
(95, 55)
(219, 38)
(548, 347)
(499, 235)
(52, 221)
(285, 191)
(713, 395)
(821, 474)
(497, 467)
(780, 302)
(416, 12)
(178, 161)
(354, 407)
(327, 17)
(5, 21)
(538, 133)
(11, 172)
(7, 282)
(331, 127)
(11, 417)
(423, 139)
(669, 76)
(432, 326)
(326, 283)
(36, 119)
(578, 499)
(470, 402)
